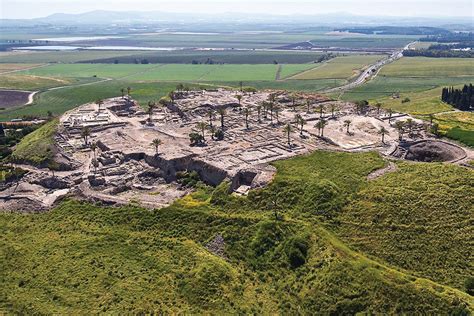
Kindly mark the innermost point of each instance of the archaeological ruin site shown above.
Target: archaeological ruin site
(115, 151)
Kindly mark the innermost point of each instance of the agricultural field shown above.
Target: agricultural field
(60, 100)
(8, 68)
(216, 56)
(339, 68)
(168, 72)
(355, 41)
(137, 260)
(32, 83)
(415, 67)
(60, 56)
(12, 98)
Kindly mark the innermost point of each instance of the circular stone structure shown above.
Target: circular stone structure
(434, 151)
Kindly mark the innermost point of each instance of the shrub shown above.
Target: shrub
(296, 249)
(469, 286)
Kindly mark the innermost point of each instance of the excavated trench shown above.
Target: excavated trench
(431, 151)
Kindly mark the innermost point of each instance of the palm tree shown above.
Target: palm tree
(241, 84)
(333, 108)
(400, 125)
(265, 109)
(123, 92)
(277, 112)
(347, 123)
(99, 102)
(320, 126)
(222, 113)
(94, 148)
(95, 164)
(270, 107)
(259, 109)
(287, 129)
(410, 124)
(129, 90)
(308, 105)
(323, 125)
(85, 133)
(383, 131)
(247, 113)
(293, 101)
(156, 143)
(210, 113)
(378, 105)
(202, 127)
(301, 122)
(151, 107)
(321, 109)
(239, 98)
(390, 113)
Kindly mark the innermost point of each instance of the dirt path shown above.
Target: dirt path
(380, 172)
(23, 69)
(278, 73)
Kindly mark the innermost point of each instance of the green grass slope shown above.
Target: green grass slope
(419, 218)
(37, 147)
(85, 258)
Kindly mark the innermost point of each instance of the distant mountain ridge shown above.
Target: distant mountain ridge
(102, 17)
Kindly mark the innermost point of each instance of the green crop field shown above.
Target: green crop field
(429, 67)
(14, 67)
(61, 57)
(168, 72)
(85, 258)
(32, 83)
(339, 68)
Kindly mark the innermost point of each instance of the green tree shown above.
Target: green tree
(378, 105)
(156, 143)
(93, 147)
(320, 126)
(239, 98)
(151, 107)
(85, 134)
(247, 113)
(301, 122)
(129, 90)
(400, 126)
(287, 129)
(202, 127)
(123, 92)
(222, 113)
(321, 110)
(259, 109)
(210, 113)
(347, 123)
(383, 131)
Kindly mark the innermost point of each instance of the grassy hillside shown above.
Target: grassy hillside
(82, 258)
(419, 219)
(37, 147)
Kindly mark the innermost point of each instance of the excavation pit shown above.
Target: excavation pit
(434, 151)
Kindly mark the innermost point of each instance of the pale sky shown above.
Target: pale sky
(423, 8)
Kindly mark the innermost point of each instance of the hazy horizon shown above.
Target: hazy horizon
(15, 9)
